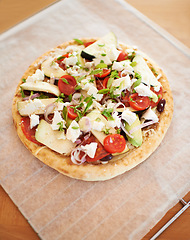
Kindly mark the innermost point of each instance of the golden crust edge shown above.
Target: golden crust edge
(90, 172)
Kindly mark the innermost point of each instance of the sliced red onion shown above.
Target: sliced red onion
(49, 109)
(142, 126)
(87, 136)
(126, 132)
(78, 141)
(75, 156)
(35, 95)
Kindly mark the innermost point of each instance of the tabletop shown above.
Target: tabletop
(173, 16)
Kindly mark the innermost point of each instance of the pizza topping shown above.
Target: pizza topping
(101, 93)
(73, 131)
(34, 120)
(150, 115)
(114, 143)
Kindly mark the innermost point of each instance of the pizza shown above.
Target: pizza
(92, 108)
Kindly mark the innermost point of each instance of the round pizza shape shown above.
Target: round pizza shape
(92, 108)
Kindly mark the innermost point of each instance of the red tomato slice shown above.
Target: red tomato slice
(125, 99)
(67, 84)
(159, 94)
(114, 143)
(104, 73)
(139, 102)
(28, 132)
(122, 56)
(105, 82)
(100, 151)
(71, 113)
(88, 43)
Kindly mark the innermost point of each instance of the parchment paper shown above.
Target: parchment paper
(127, 206)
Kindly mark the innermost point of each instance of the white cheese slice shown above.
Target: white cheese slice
(57, 118)
(73, 131)
(123, 65)
(94, 92)
(129, 116)
(90, 149)
(34, 120)
(150, 115)
(143, 69)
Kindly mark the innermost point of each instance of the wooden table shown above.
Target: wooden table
(173, 16)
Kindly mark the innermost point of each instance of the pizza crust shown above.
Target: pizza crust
(119, 164)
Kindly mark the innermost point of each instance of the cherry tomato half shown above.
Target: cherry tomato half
(139, 102)
(114, 143)
(104, 73)
(88, 43)
(71, 113)
(67, 84)
(28, 132)
(159, 94)
(105, 82)
(122, 56)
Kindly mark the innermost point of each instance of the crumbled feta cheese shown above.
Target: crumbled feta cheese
(34, 120)
(150, 115)
(94, 92)
(116, 122)
(57, 118)
(70, 61)
(73, 131)
(122, 83)
(123, 65)
(88, 65)
(128, 116)
(37, 76)
(33, 105)
(143, 90)
(98, 125)
(90, 149)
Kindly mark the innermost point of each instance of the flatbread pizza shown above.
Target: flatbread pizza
(92, 108)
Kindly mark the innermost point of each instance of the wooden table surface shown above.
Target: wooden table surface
(173, 16)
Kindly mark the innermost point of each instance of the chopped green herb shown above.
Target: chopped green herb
(131, 55)
(81, 97)
(96, 71)
(78, 87)
(42, 96)
(101, 45)
(159, 96)
(23, 80)
(137, 83)
(122, 94)
(75, 127)
(103, 91)
(154, 71)
(22, 92)
(130, 98)
(60, 98)
(103, 54)
(101, 65)
(61, 57)
(133, 64)
(107, 113)
(80, 79)
(106, 131)
(98, 119)
(114, 74)
(78, 41)
(65, 80)
(110, 81)
(60, 126)
(86, 69)
(137, 75)
(70, 97)
(118, 131)
(91, 80)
